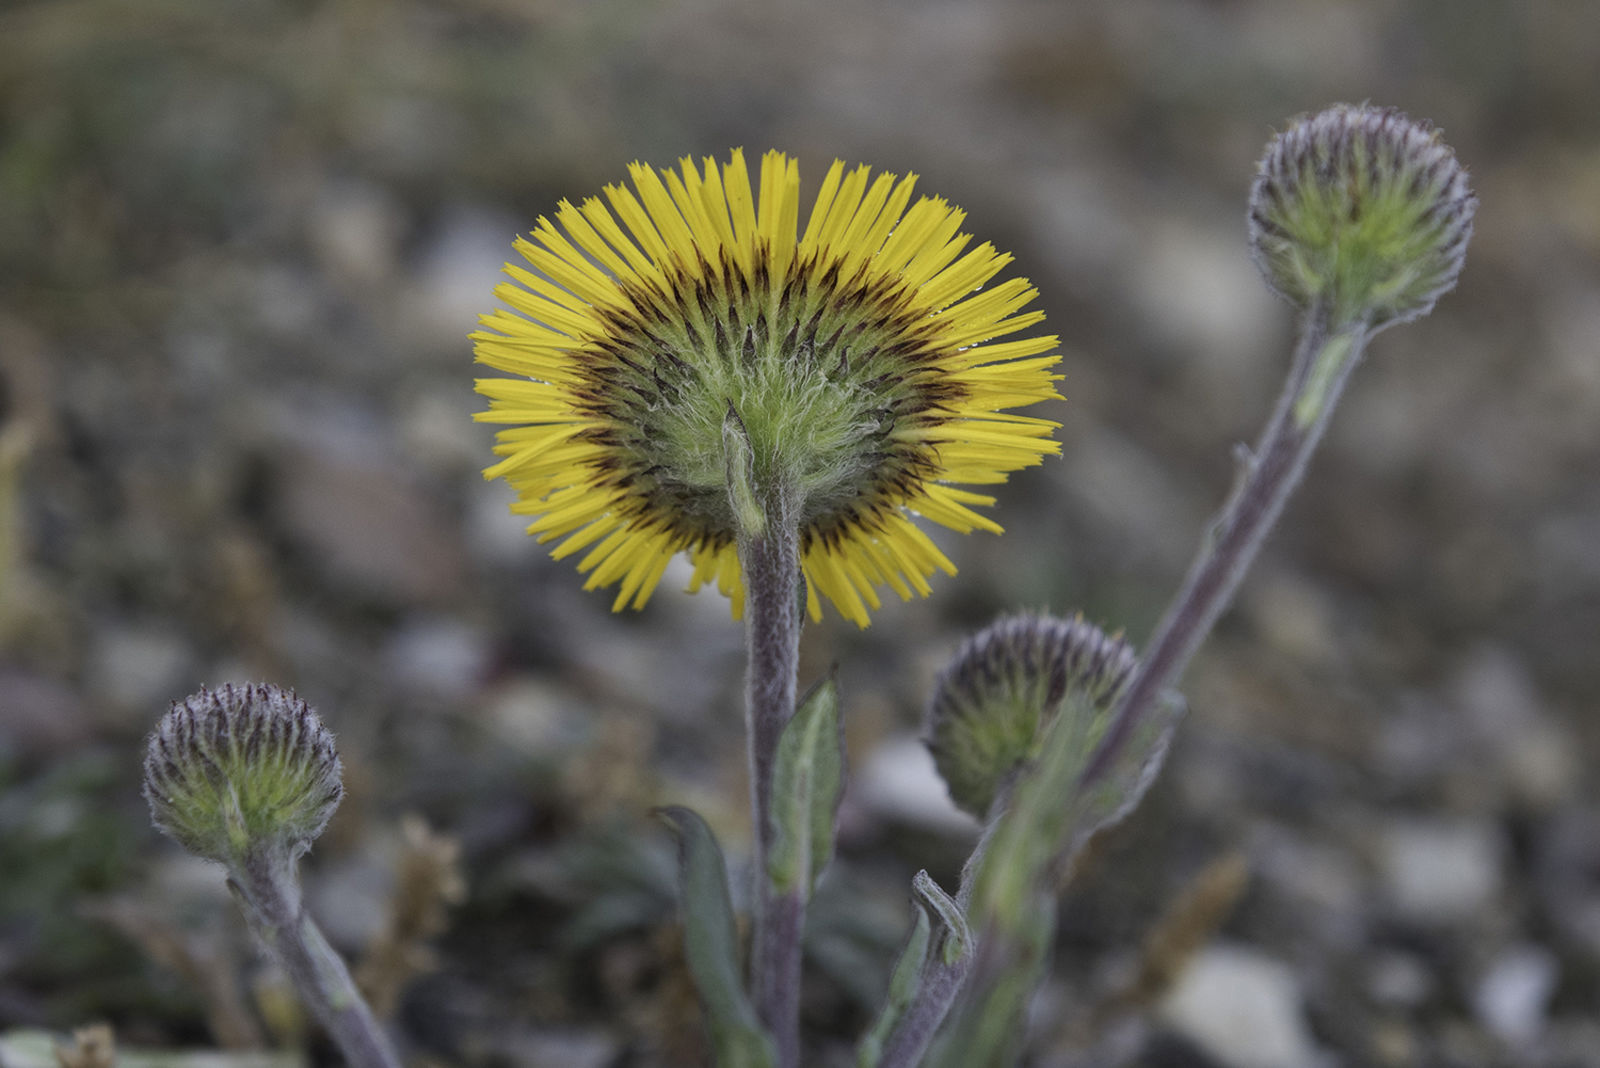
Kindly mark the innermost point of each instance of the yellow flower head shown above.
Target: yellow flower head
(860, 357)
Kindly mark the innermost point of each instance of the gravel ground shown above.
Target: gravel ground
(241, 244)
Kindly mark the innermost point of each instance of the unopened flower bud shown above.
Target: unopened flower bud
(242, 771)
(1363, 210)
(1003, 686)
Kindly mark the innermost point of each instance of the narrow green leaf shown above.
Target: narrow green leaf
(1050, 814)
(917, 1005)
(739, 460)
(956, 938)
(903, 985)
(1336, 353)
(711, 944)
(807, 783)
(1118, 792)
(1036, 821)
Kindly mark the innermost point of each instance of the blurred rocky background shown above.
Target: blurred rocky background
(241, 245)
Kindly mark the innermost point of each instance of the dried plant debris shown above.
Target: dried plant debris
(93, 1047)
(1188, 923)
(428, 882)
(204, 961)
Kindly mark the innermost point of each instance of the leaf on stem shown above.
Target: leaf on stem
(807, 783)
(904, 983)
(740, 461)
(955, 940)
(711, 944)
(925, 983)
(1108, 799)
(1050, 812)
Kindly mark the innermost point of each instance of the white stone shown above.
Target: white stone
(436, 433)
(355, 230)
(1514, 993)
(1243, 1009)
(457, 270)
(1502, 704)
(568, 1048)
(138, 668)
(1200, 292)
(898, 781)
(438, 656)
(533, 715)
(1440, 872)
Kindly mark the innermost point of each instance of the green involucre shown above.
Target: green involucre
(823, 379)
(242, 769)
(1003, 686)
(1364, 210)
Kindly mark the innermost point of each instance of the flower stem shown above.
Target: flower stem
(267, 892)
(998, 984)
(909, 1041)
(1008, 895)
(1323, 359)
(771, 564)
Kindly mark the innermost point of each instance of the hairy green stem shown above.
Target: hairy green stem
(1009, 965)
(944, 980)
(770, 561)
(1323, 359)
(1008, 893)
(266, 889)
(909, 1041)
(1013, 941)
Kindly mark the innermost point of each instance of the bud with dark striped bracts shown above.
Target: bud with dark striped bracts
(1363, 210)
(1001, 689)
(242, 770)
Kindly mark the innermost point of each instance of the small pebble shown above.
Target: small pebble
(438, 656)
(341, 501)
(456, 270)
(42, 717)
(1243, 1008)
(899, 782)
(563, 1049)
(534, 716)
(1440, 872)
(1513, 995)
(139, 668)
(355, 229)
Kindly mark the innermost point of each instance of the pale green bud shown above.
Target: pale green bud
(1004, 686)
(1363, 210)
(242, 771)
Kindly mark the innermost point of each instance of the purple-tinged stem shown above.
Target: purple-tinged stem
(944, 977)
(909, 1041)
(267, 892)
(1323, 360)
(771, 565)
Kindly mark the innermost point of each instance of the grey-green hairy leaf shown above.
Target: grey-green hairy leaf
(944, 971)
(956, 939)
(711, 945)
(903, 985)
(807, 783)
(1116, 793)
(739, 459)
